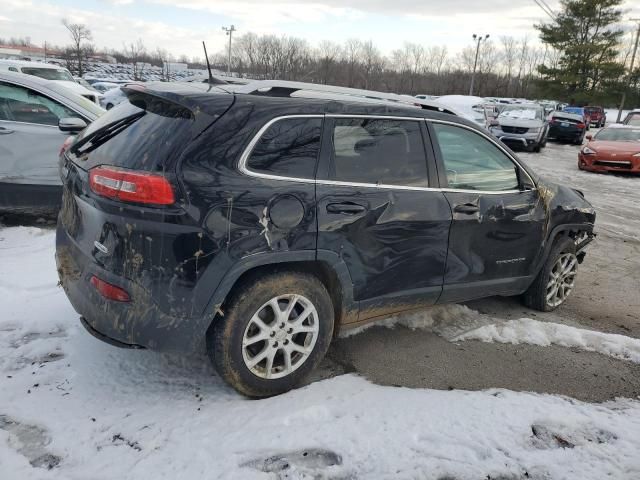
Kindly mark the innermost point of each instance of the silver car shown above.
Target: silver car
(36, 117)
(522, 125)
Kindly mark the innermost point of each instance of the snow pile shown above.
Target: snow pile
(73, 407)
(534, 332)
(459, 323)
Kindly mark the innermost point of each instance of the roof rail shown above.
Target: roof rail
(282, 88)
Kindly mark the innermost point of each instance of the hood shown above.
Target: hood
(76, 87)
(520, 122)
(621, 148)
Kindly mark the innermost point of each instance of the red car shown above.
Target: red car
(613, 149)
(597, 116)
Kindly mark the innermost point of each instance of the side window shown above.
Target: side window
(13, 69)
(379, 151)
(20, 104)
(288, 148)
(472, 162)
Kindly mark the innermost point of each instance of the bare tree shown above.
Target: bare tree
(134, 52)
(509, 52)
(327, 56)
(80, 34)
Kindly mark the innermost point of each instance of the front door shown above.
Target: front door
(498, 216)
(377, 212)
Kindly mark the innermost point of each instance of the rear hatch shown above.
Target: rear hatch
(122, 204)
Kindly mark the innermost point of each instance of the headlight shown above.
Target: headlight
(534, 130)
(588, 151)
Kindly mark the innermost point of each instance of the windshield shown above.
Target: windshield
(619, 135)
(48, 73)
(521, 112)
(576, 110)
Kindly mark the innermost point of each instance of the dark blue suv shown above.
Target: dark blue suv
(262, 223)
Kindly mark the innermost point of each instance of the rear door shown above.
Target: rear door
(29, 136)
(378, 212)
(498, 215)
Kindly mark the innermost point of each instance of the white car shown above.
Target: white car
(104, 87)
(36, 117)
(112, 97)
(472, 108)
(54, 73)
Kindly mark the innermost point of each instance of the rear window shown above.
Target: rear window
(288, 148)
(154, 131)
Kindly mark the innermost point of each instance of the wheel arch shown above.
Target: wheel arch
(571, 230)
(326, 266)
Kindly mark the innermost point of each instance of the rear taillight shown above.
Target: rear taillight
(108, 291)
(65, 146)
(130, 186)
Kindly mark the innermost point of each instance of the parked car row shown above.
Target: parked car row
(54, 73)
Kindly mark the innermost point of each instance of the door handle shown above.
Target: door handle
(5, 131)
(348, 208)
(468, 208)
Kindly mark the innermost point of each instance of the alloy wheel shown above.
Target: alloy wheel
(562, 279)
(280, 336)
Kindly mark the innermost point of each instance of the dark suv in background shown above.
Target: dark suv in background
(262, 222)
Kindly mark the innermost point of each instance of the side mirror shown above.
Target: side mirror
(71, 125)
(589, 137)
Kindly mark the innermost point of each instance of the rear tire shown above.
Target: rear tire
(276, 329)
(556, 279)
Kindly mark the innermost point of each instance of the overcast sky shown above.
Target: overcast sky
(180, 26)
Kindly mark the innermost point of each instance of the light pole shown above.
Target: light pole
(477, 39)
(229, 31)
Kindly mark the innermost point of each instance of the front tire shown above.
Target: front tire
(556, 279)
(275, 330)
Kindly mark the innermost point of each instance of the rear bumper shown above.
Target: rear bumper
(30, 198)
(565, 133)
(135, 324)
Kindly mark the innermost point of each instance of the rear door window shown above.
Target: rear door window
(472, 162)
(288, 148)
(378, 152)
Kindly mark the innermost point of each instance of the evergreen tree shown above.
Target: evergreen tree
(586, 33)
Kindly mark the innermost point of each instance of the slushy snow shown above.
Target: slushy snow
(72, 407)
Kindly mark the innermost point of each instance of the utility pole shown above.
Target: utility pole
(229, 31)
(477, 39)
(633, 59)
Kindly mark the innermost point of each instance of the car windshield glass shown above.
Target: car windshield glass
(619, 135)
(521, 112)
(48, 73)
(576, 110)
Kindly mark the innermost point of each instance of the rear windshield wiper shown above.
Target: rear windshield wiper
(102, 135)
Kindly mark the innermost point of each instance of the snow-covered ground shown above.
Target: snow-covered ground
(72, 407)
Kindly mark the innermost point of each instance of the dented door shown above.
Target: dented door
(389, 228)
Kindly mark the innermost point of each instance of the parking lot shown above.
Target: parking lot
(67, 397)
